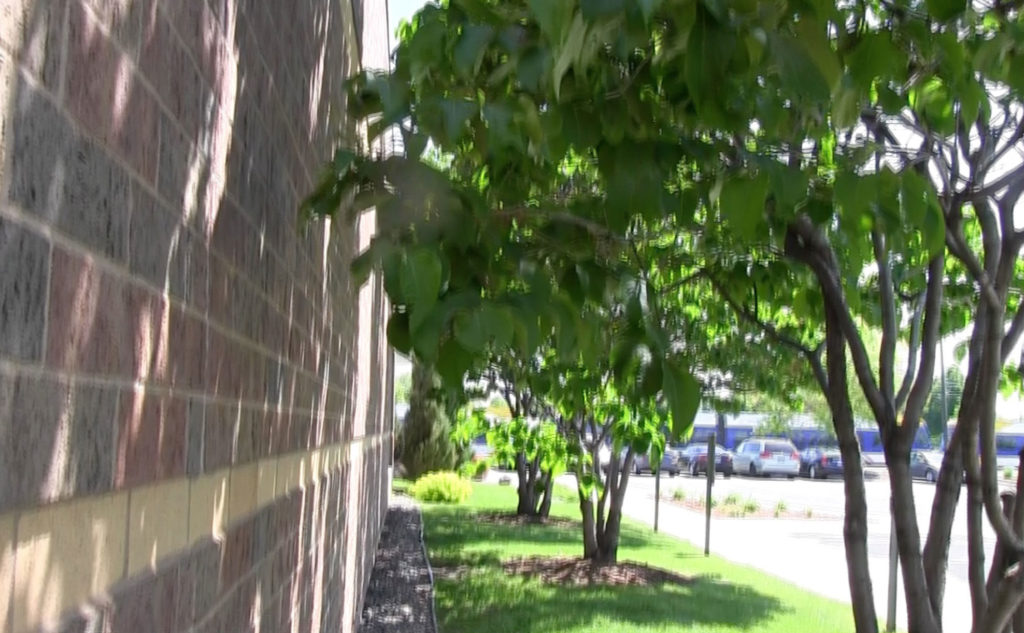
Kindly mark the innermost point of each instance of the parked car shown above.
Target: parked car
(669, 463)
(924, 466)
(694, 460)
(767, 456)
(821, 463)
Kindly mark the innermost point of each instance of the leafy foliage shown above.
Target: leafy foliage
(425, 437)
(441, 487)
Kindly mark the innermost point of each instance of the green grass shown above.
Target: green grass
(723, 597)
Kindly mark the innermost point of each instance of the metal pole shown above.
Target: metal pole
(707, 503)
(890, 619)
(657, 495)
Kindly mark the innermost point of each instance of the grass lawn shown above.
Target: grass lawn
(721, 597)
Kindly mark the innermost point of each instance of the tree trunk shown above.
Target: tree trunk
(855, 521)
(545, 504)
(527, 492)
(590, 546)
(947, 496)
(920, 616)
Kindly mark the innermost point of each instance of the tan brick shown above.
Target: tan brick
(289, 473)
(65, 554)
(157, 523)
(266, 481)
(242, 495)
(6, 566)
(208, 506)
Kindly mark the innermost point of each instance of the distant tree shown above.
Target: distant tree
(934, 417)
(425, 440)
(403, 387)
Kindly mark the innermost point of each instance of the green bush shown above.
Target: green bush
(780, 508)
(679, 494)
(441, 487)
(474, 469)
(750, 506)
(732, 499)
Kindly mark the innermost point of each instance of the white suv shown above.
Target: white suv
(766, 456)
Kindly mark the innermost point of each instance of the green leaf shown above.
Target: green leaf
(813, 38)
(874, 56)
(682, 392)
(648, 7)
(476, 328)
(398, 332)
(846, 104)
(420, 278)
(568, 52)
(634, 181)
(946, 9)
(469, 50)
(742, 205)
(593, 9)
(455, 113)
(453, 361)
(552, 17)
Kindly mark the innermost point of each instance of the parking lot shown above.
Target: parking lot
(798, 549)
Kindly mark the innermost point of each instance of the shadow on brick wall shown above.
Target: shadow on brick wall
(161, 316)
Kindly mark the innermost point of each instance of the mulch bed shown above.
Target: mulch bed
(505, 518)
(577, 571)
(399, 598)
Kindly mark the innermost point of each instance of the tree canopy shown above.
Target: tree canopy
(674, 198)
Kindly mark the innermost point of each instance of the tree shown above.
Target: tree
(823, 168)
(426, 442)
(936, 418)
(403, 388)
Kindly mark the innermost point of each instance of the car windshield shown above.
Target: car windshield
(778, 447)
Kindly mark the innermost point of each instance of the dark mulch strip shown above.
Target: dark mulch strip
(504, 518)
(577, 571)
(399, 598)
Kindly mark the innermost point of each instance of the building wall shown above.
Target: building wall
(193, 429)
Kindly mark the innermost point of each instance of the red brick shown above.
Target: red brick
(89, 324)
(105, 96)
(152, 443)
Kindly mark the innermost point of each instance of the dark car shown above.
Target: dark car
(669, 463)
(924, 466)
(821, 463)
(694, 460)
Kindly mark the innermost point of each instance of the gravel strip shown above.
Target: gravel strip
(400, 598)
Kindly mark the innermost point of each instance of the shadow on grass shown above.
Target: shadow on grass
(473, 602)
(482, 597)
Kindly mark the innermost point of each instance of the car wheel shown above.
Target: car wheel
(930, 476)
(812, 471)
(727, 473)
(791, 477)
(753, 471)
(693, 469)
(636, 468)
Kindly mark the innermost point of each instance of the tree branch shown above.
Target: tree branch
(806, 244)
(913, 346)
(887, 350)
(932, 320)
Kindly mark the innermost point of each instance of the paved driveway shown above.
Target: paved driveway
(807, 552)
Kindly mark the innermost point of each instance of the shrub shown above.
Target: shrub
(780, 509)
(679, 494)
(750, 506)
(732, 499)
(474, 469)
(1007, 473)
(808, 513)
(425, 436)
(441, 487)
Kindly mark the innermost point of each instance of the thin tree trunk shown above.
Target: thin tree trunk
(975, 546)
(947, 497)
(855, 524)
(545, 504)
(920, 616)
(527, 497)
(590, 546)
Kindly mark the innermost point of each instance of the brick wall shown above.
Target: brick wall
(193, 429)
